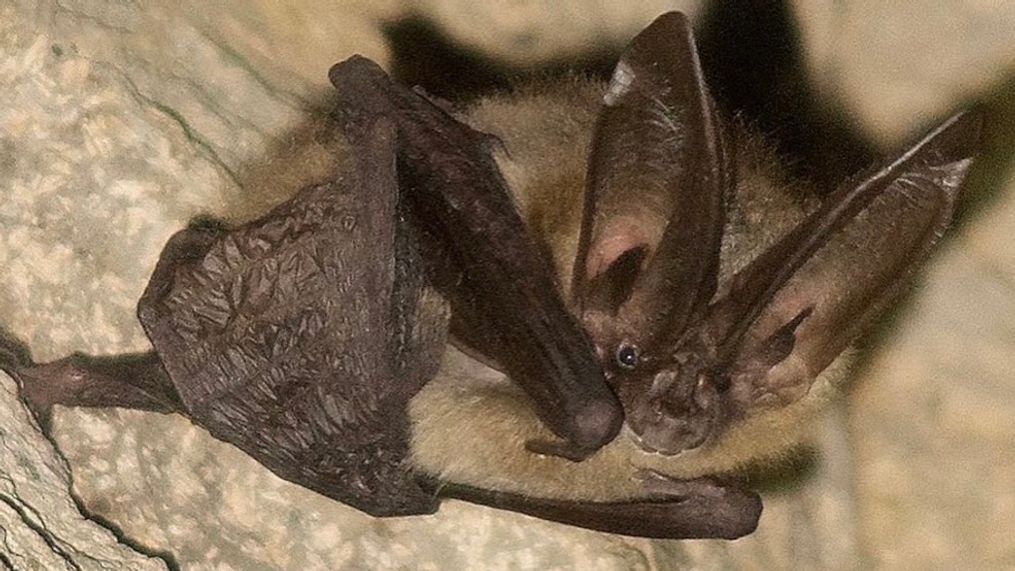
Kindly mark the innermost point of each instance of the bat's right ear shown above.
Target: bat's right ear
(658, 177)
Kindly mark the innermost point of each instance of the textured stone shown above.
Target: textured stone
(932, 421)
(898, 66)
(40, 526)
(119, 121)
(934, 414)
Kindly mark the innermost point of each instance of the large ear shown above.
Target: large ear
(792, 312)
(658, 175)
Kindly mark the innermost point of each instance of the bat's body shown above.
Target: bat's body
(642, 301)
(546, 131)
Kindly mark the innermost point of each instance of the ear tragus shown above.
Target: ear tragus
(611, 287)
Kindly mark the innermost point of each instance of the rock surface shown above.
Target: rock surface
(40, 525)
(932, 420)
(899, 66)
(118, 122)
(542, 32)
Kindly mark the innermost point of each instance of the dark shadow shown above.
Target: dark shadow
(753, 58)
(996, 163)
(14, 353)
(787, 474)
(422, 55)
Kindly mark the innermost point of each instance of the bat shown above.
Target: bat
(588, 303)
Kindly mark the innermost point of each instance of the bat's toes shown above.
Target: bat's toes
(656, 483)
(14, 355)
(16, 360)
(728, 510)
(559, 448)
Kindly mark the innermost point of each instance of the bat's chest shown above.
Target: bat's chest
(470, 425)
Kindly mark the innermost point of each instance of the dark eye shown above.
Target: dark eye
(627, 357)
(722, 383)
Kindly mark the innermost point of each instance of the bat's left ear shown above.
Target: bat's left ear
(658, 177)
(791, 312)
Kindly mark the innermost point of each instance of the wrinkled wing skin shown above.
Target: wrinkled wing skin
(300, 337)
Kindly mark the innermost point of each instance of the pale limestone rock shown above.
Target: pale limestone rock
(40, 526)
(932, 421)
(120, 121)
(898, 66)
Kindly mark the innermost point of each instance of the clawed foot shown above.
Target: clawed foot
(16, 360)
(559, 448)
(14, 354)
(664, 486)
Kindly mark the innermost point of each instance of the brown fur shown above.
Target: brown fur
(312, 153)
(471, 424)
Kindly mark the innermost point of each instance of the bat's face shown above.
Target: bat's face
(673, 400)
(674, 396)
(715, 292)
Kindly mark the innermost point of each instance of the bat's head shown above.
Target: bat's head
(687, 353)
(676, 403)
(672, 393)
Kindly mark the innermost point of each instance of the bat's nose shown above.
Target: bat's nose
(668, 418)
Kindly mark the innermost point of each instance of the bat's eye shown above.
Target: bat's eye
(627, 357)
(722, 383)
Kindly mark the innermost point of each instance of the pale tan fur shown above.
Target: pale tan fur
(547, 131)
(313, 153)
(471, 424)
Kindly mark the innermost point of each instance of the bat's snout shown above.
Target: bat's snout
(676, 414)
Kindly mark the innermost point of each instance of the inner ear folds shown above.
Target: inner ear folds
(611, 286)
